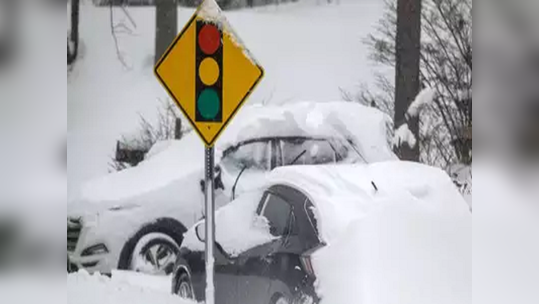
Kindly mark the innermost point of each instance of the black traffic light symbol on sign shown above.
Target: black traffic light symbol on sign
(209, 78)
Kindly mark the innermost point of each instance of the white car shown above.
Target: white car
(135, 219)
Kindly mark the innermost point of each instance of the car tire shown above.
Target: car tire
(166, 231)
(280, 299)
(184, 287)
(146, 255)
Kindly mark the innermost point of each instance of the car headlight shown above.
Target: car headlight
(94, 250)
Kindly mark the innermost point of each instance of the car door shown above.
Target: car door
(287, 269)
(225, 278)
(254, 265)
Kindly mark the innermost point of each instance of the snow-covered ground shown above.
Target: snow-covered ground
(83, 288)
(308, 51)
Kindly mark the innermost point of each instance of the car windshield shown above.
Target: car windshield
(253, 156)
(312, 151)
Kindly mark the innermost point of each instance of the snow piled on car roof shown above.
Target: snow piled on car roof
(344, 193)
(173, 160)
(365, 126)
(396, 232)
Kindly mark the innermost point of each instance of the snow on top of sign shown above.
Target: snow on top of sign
(210, 11)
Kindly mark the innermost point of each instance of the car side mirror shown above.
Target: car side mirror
(200, 230)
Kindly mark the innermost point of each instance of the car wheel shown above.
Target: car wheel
(304, 299)
(166, 232)
(155, 253)
(184, 287)
(280, 299)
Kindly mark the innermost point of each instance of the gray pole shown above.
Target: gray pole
(209, 197)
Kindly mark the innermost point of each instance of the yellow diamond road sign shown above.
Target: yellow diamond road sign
(208, 72)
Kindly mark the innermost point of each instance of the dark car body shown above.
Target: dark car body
(265, 273)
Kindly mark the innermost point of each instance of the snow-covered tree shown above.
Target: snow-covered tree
(445, 66)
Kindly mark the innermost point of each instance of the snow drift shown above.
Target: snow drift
(397, 233)
(83, 288)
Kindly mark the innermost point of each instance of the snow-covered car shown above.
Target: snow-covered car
(135, 219)
(390, 232)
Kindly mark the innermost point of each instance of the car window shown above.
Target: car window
(314, 151)
(253, 155)
(342, 151)
(278, 213)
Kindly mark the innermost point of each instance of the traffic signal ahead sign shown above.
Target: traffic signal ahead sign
(208, 73)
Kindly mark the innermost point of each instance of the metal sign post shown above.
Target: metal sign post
(209, 74)
(209, 199)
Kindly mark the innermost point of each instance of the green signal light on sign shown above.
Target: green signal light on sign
(209, 104)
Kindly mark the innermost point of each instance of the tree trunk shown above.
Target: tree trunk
(74, 36)
(408, 48)
(166, 25)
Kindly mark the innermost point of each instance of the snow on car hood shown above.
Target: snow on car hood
(238, 228)
(396, 233)
(174, 160)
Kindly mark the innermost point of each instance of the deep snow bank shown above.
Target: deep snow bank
(83, 288)
(402, 253)
(396, 233)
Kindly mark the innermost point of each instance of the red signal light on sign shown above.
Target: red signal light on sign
(209, 39)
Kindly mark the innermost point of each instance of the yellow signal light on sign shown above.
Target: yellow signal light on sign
(209, 71)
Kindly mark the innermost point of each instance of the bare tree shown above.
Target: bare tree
(445, 65)
(131, 149)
